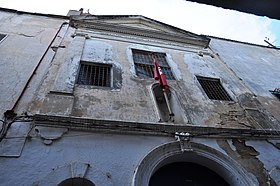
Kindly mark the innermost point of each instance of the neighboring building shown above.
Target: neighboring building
(80, 105)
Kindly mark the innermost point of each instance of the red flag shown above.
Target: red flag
(159, 76)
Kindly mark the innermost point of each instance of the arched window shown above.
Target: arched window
(76, 182)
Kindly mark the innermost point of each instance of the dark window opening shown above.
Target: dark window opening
(144, 64)
(186, 173)
(213, 88)
(2, 36)
(276, 92)
(76, 182)
(95, 74)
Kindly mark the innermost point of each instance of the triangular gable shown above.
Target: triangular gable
(142, 23)
(139, 25)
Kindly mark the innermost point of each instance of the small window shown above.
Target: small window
(213, 88)
(276, 92)
(144, 64)
(2, 36)
(94, 74)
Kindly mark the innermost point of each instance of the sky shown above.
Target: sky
(192, 17)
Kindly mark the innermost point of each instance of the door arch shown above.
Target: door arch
(200, 155)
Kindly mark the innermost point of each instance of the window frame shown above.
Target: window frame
(149, 66)
(213, 95)
(96, 64)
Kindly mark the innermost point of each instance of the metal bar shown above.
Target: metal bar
(171, 114)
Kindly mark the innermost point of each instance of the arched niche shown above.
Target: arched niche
(162, 107)
(202, 155)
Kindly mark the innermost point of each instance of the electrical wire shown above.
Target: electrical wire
(7, 125)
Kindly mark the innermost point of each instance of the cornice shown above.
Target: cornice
(121, 29)
(159, 129)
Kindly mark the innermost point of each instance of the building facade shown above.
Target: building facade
(80, 105)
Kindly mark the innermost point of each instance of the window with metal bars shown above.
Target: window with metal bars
(213, 88)
(144, 64)
(94, 74)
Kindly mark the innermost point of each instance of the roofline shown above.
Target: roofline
(121, 16)
(242, 42)
(33, 13)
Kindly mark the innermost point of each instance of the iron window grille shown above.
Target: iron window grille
(213, 88)
(94, 74)
(144, 64)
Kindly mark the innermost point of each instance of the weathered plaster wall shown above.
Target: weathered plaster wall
(130, 97)
(51, 155)
(257, 67)
(132, 101)
(112, 158)
(28, 36)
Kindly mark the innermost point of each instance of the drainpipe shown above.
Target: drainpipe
(34, 71)
(10, 115)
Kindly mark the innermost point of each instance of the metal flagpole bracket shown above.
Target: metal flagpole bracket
(184, 139)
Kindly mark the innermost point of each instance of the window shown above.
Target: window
(213, 88)
(2, 36)
(94, 74)
(76, 181)
(144, 64)
(276, 92)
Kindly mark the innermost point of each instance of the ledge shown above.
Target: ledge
(161, 129)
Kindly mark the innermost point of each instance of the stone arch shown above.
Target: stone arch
(73, 171)
(200, 154)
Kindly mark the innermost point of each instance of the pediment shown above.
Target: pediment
(141, 26)
(143, 23)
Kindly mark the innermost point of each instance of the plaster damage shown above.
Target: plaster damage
(110, 117)
(247, 157)
(34, 34)
(265, 75)
(49, 134)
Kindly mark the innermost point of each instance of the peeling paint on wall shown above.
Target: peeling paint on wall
(247, 157)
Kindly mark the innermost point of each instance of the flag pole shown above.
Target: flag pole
(158, 75)
(171, 114)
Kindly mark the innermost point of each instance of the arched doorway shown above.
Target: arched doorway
(186, 174)
(169, 158)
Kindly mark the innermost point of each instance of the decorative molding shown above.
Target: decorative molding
(143, 41)
(185, 38)
(75, 169)
(161, 129)
(200, 154)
